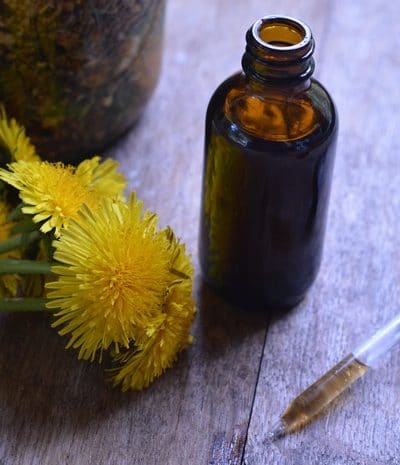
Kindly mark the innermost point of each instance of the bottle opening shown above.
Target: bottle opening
(281, 33)
(279, 49)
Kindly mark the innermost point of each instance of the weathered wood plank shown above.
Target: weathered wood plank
(358, 286)
(55, 410)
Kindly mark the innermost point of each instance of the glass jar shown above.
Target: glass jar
(269, 154)
(77, 73)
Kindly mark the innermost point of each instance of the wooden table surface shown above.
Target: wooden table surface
(216, 405)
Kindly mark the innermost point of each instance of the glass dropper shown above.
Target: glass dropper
(317, 396)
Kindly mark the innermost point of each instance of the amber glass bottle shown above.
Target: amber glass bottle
(269, 153)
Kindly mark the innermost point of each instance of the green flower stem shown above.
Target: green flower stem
(18, 241)
(16, 213)
(24, 267)
(23, 304)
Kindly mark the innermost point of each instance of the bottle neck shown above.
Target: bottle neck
(279, 52)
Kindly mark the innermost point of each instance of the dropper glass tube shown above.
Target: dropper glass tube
(317, 396)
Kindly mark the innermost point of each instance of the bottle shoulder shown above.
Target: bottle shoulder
(250, 113)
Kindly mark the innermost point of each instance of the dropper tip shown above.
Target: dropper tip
(277, 431)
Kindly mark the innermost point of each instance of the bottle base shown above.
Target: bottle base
(256, 304)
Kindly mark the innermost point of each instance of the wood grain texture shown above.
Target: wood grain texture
(358, 286)
(55, 410)
(215, 406)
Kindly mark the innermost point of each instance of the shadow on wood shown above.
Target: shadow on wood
(222, 325)
(45, 384)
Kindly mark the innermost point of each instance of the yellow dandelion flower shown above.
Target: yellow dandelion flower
(8, 283)
(51, 192)
(115, 275)
(14, 142)
(54, 193)
(102, 178)
(157, 348)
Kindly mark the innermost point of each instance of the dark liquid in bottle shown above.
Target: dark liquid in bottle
(265, 201)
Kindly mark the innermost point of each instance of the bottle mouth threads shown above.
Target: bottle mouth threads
(279, 48)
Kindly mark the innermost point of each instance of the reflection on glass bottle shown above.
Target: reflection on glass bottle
(276, 129)
(223, 205)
